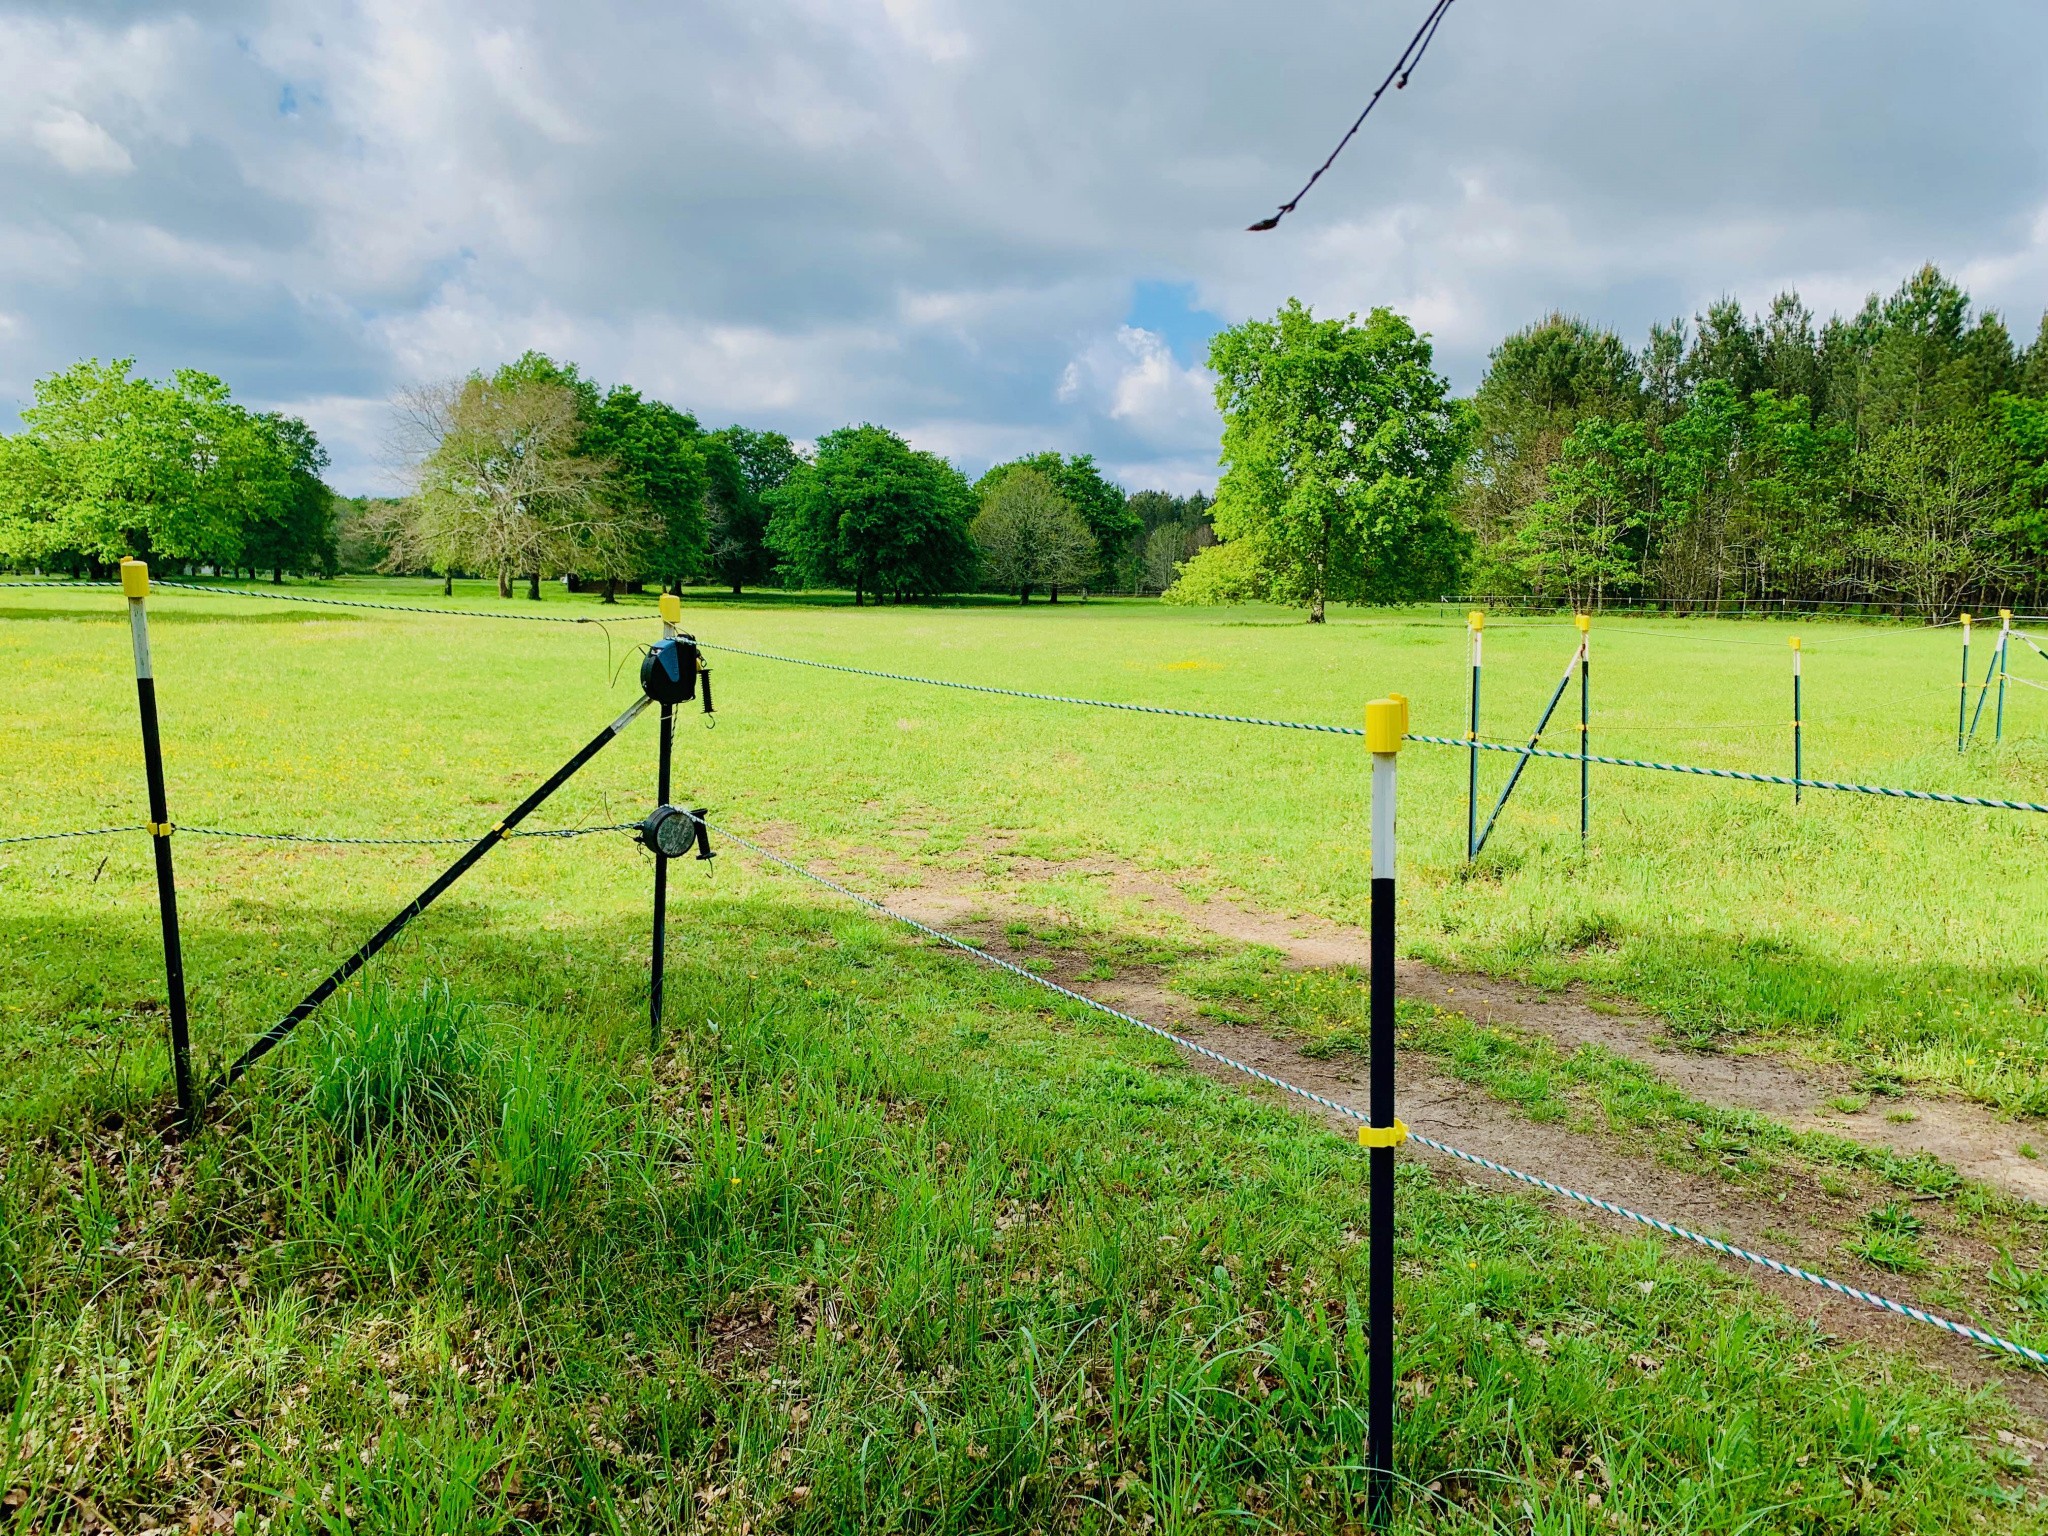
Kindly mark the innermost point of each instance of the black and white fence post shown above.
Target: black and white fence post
(1386, 724)
(1585, 624)
(2004, 640)
(671, 616)
(135, 586)
(1475, 621)
(1798, 727)
(1963, 706)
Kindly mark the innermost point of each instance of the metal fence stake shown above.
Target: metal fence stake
(671, 615)
(135, 585)
(1798, 730)
(1386, 723)
(1963, 699)
(1585, 623)
(1476, 622)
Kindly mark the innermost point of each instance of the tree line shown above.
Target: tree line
(534, 471)
(1898, 455)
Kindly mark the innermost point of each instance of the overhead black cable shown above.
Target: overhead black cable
(1396, 77)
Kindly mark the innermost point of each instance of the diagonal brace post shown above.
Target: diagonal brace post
(1991, 669)
(271, 1038)
(1535, 738)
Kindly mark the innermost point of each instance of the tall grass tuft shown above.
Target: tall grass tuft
(404, 1063)
(550, 1125)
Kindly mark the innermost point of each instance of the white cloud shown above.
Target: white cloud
(1136, 380)
(79, 144)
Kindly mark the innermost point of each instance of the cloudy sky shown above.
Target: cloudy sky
(996, 225)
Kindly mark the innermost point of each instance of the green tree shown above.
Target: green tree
(1221, 573)
(1029, 535)
(738, 554)
(1937, 490)
(1168, 547)
(1341, 442)
(660, 477)
(1540, 383)
(1796, 474)
(1103, 506)
(1578, 541)
(289, 514)
(111, 464)
(872, 513)
(2034, 364)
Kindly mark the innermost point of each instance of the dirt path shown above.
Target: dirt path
(1973, 1140)
(1806, 1226)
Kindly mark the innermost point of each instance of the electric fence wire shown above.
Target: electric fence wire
(44, 837)
(1670, 1229)
(1047, 698)
(303, 597)
(1939, 796)
(1742, 775)
(323, 839)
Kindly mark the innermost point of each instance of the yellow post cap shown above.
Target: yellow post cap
(2005, 613)
(134, 578)
(1386, 722)
(1966, 621)
(671, 608)
(1475, 620)
(1794, 642)
(1583, 620)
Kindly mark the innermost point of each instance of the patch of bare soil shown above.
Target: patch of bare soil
(1804, 1224)
(1973, 1140)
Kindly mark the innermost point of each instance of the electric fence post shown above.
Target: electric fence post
(1798, 745)
(671, 616)
(2004, 639)
(135, 586)
(1963, 701)
(1476, 622)
(1585, 623)
(1386, 724)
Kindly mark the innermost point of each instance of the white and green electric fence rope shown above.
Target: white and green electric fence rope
(1670, 1229)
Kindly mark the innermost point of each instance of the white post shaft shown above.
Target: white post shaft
(138, 632)
(1383, 815)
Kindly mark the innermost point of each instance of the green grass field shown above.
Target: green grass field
(875, 1240)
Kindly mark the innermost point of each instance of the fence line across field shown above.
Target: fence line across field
(1739, 774)
(1670, 1229)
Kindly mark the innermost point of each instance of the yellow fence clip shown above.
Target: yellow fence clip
(159, 828)
(500, 830)
(134, 578)
(1383, 1135)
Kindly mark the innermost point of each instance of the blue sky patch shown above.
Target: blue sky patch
(1170, 310)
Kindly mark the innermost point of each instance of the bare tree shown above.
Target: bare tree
(500, 483)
